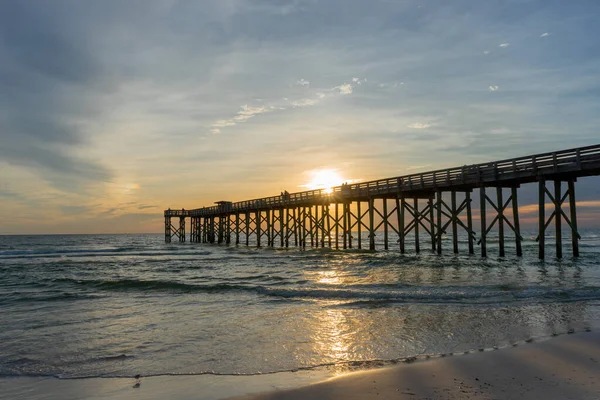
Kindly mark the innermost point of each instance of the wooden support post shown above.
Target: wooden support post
(385, 224)
(454, 222)
(303, 229)
(310, 226)
(432, 224)
(469, 222)
(337, 226)
(237, 229)
(182, 229)
(300, 227)
(500, 205)
(572, 207)
(371, 223)
(206, 224)
(282, 231)
(345, 224)
(296, 212)
(258, 227)
(228, 229)
(416, 222)
(247, 227)
(317, 226)
(220, 230)
(558, 217)
(359, 224)
(192, 229)
(515, 204)
(287, 227)
(439, 222)
(350, 237)
(400, 203)
(329, 225)
(270, 216)
(541, 218)
(482, 201)
(168, 229)
(322, 225)
(211, 232)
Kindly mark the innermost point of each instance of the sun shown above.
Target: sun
(324, 179)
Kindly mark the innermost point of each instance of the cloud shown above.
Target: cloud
(504, 45)
(345, 88)
(418, 125)
(486, 52)
(305, 102)
(493, 88)
(248, 111)
(545, 34)
(51, 82)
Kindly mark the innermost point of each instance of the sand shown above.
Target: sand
(566, 367)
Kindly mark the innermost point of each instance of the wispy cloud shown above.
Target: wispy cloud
(305, 102)
(504, 45)
(247, 112)
(493, 88)
(418, 125)
(348, 88)
(345, 88)
(545, 34)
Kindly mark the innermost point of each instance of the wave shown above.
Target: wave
(123, 251)
(18, 297)
(386, 293)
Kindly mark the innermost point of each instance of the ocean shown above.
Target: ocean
(84, 306)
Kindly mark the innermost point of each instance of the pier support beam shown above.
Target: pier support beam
(500, 206)
(371, 223)
(453, 213)
(558, 214)
(182, 229)
(168, 229)
(418, 217)
(237, 229)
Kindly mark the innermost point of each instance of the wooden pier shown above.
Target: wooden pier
(405, 204)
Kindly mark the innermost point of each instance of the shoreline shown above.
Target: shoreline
(563, 367)
(567, 366)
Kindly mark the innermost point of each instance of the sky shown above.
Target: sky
(112, 111)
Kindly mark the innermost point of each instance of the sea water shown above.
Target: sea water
(74, 306)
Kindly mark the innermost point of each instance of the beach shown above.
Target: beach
(564, 367)
(567, 367)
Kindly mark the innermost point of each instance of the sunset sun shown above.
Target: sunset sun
(324, 179)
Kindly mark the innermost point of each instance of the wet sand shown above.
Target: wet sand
(565, 367)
